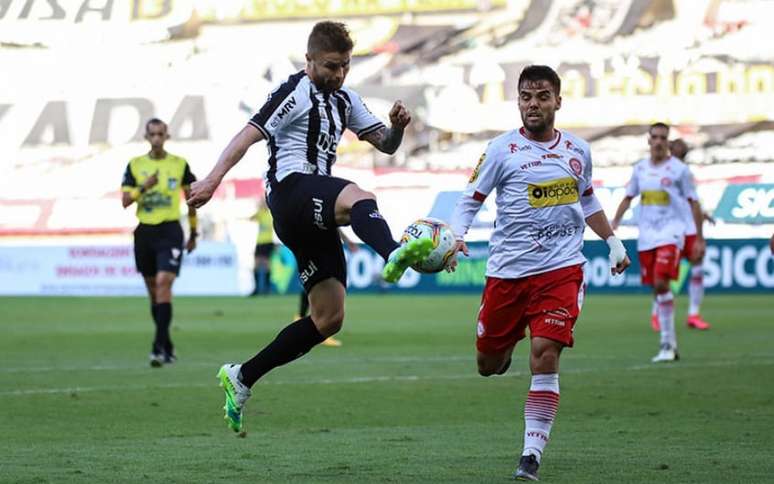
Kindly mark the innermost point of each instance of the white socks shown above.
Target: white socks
(539, 412)
(666, 318)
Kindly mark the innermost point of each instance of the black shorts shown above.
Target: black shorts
(304, 220)
(158, 248)
(264, 250)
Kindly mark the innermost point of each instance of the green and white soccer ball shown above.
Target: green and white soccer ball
(443, 243)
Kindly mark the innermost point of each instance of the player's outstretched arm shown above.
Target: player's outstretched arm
(622, 208)
(387, 140)
(465, 211)
(619, 260)
(201, 191)
(193, 225)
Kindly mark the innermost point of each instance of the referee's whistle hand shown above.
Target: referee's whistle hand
(200, 193)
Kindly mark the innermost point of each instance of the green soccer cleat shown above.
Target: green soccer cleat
(403, 257)
(236, 395)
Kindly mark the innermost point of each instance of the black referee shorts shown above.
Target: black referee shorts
(158, 248)
(304, 219)
(264, 250)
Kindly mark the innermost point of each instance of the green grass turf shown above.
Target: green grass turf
(400, 402)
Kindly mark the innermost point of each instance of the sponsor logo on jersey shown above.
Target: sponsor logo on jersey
(286, 108)
(562, 191)
(531, 164)
(477, 169)
(576, 165)
(551, 155)
(655, 197)
(571, 147)
(554, 231)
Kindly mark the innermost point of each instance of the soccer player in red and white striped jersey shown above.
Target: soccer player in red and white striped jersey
(534, 273)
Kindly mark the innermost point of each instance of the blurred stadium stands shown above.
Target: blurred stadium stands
(78, 82)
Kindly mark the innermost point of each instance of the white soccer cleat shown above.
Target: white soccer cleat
(667, 353)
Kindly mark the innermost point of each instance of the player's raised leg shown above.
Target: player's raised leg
(358, 207)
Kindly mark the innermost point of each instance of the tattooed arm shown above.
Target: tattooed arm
(385, 139)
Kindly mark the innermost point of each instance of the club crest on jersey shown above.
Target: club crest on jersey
(171, 183)
(562, 191)
(665, 182)
(477, 169)
(576, 166)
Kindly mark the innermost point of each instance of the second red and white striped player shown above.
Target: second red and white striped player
(663, 184)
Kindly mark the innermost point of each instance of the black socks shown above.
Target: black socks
(295, 340)
(162, 316)
(370, 226)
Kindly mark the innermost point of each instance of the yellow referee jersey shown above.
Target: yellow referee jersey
(265, 226)
(160, 203)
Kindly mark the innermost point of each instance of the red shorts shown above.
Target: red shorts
(688, 247)
(661, 262)
(549, 303)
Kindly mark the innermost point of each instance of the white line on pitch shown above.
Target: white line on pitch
(379, 379)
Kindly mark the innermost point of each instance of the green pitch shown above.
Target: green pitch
(400, 402)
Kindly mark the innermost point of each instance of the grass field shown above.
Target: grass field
(400, 402)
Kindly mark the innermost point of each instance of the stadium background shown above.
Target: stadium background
(80, 78)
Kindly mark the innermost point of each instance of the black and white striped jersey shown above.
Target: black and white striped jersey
(303, 126)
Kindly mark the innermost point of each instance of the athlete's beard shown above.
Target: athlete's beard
(327, 85)
(537, 127)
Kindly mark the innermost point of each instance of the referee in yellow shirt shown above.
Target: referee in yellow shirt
(154, 182)
(264, 247)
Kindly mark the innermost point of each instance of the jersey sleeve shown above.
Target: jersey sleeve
(586, 187)
(361, 120)
(188, 176)
(128, 182)
(282, 106)
(633, 187)
(485, 176)
(589, 202)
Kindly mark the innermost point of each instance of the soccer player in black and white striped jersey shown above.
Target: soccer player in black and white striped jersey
(302, 122)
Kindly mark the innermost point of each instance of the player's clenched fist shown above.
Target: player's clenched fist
(400, 117)
(201, 192)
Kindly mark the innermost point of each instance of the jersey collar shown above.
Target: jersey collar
(523, 134)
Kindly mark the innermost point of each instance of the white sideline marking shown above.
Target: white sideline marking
(386, 378)
(325, 360)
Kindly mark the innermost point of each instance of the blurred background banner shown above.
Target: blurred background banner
(81, 77)
(108, 270)
(731, 265)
